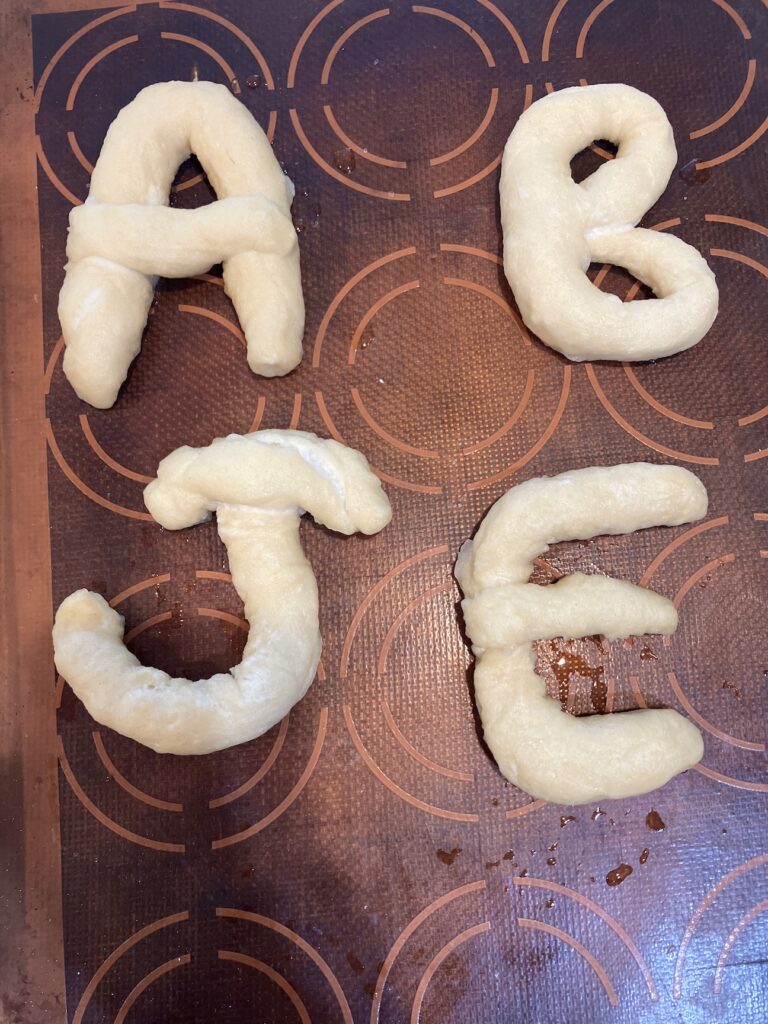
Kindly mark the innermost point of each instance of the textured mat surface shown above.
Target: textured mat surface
(365, 860)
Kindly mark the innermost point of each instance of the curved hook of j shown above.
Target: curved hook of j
(258, 485)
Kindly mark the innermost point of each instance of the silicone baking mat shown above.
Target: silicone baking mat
(365, 861)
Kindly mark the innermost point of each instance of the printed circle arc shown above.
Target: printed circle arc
(401, 81)
(192, 358)
(461, 395)
(732, 700)
(713, 91)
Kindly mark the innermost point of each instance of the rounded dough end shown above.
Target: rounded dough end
(169, 502)
(85, 610)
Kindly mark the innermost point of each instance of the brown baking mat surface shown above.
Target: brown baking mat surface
(365, 861)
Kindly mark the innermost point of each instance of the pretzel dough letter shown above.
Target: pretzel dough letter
(258, 485)
(553, 229)
(549, 754)
(124, 235)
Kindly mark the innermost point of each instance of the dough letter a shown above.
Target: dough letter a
(125, 236)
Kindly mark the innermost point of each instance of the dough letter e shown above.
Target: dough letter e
(549, 754)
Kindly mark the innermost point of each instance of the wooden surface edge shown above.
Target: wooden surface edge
(31, 936)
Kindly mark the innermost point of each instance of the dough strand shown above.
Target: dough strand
(258, 485)
(538, 747)
(553, 229)
(125, 235)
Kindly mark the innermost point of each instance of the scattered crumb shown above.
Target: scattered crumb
(448, 858)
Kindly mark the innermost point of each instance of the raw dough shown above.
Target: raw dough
(124, 235)
(549, 754)
(553, 229)
(259, 486)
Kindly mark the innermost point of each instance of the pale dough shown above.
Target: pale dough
(549, 754)
(124, 235)
(553, 229)
(258, 485)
